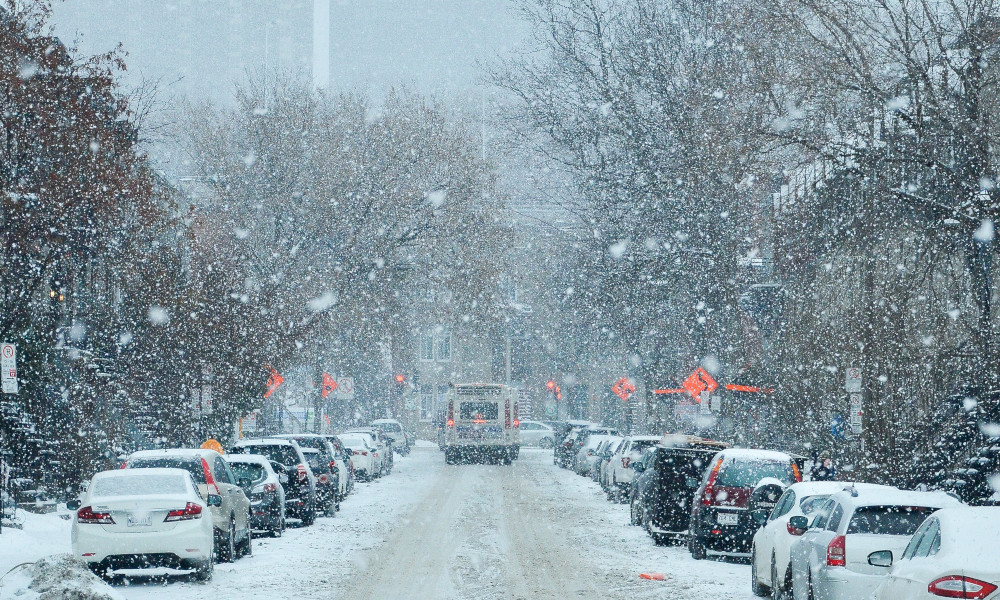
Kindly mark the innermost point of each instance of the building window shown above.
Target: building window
(427, 346)
(426, 405)
(444, 345)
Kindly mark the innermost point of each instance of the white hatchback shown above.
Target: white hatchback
(831, 559)
(143, 522)
(952, 555)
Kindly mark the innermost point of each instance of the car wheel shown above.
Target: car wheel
(697, 548)
(227, 549)
(331, 507)
(633, 513)
(247, 549)
(204, 573)
(309, 517)
(660, 539)
(755, 586)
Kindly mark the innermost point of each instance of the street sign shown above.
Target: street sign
(853, 381)
(345, 388)
(8, 367)
(329, 385)
(698, 382)
(623, 388)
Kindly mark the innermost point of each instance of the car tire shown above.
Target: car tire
(246, 546)
(330, 509)
(227, 547)
(204, 573)
(697, 548)
(756, 586)
(633, 513)
(660, 539)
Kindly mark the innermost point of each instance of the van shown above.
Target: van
(482, 423)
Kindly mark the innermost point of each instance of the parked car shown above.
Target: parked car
(604, 453)
(329, 487)
(142, 518)
(363, 453)
(266, 489)
(327, 481)
(536, 433)
(586, 456)
(383, 449)
(393, 430)
(951, 555)
(301, 501)
(565, 449)
(831, 559)
(770, 554)
(604, 478)
(666, 475)
(720, 515)
(231, 516)
(620, 471)
(345, 464)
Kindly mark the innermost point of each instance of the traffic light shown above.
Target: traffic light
(400, 378)
(551, 385)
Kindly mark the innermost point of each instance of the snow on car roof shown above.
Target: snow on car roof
(645, 438)
(385, 421)
(271, 441)
(165, 471)
(891, 496)
(257, 459)
(812, 488)
(970, 532)
(177, 452)
(755, 454)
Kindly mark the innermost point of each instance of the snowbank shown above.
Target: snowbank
(59, 577)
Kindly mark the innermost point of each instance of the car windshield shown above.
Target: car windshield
(279, 453)
(192, 465)
(748, 473)
(251, 472)
(139, 485)
(809, 504)
(888, 520)
(353, 442)
(389, 427)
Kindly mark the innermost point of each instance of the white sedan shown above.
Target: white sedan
(535, 433)
(364, 454)
(952, 555)
(133, 520)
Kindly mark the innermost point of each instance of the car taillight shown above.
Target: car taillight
(517, 423)
(270, 487)
(836, 555)
(333, 466)
(706, 495)
(87, 515)
(190, 511)
(301, 469)
(323, 478)
(625, 462)
(958, 586)
(361, 452)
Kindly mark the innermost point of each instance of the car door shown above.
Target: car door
(234, 501)
(765, 538)
(911, 574)
(805, 552)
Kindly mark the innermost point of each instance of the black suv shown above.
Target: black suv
(666, 478)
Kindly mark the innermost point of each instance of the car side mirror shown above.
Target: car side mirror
(759, 516)
(214, 500)
(638, 467)
(73, 505)
(282, 478)
(798, 525)
(880, 558)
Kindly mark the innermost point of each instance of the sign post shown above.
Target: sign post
(853, 384)
(8, 365)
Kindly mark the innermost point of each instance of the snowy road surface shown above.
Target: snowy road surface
(530, 531)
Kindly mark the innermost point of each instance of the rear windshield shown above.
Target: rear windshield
(191, 465)
(809, 504)
(249, 471)
(391, 427)
(888, 520)
(748, 473)
(479, 410)
(139, 485)
(353, 442)
(283, 454)
(317, 462)
(317, 443)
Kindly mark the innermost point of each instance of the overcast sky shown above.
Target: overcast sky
(200, 47)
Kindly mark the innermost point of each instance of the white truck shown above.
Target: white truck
(482, 423)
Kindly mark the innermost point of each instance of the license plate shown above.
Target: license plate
(139, 520)
(728, 518)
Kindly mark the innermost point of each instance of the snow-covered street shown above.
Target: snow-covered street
(531, 531)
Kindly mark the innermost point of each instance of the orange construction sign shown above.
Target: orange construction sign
(329, 385)
(623, 388)
(698, 382)
(273, 381)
